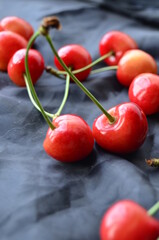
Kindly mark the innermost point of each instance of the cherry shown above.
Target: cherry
(9, 43)
(75, 57)
(128, 220)
(17, 25)
(16, 66)
(126, 134)
(1, 29)
(144, 91)
(119, 43)
(70, 141)
(133, 63)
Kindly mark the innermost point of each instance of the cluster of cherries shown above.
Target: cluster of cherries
(122, 129)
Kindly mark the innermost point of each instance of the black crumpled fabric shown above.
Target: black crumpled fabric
(41, 198)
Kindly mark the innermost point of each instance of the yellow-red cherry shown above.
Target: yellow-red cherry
(75, 57)
(126, 134)
(17, 25)
(71, 140)
(16, 66)
(127, 220)
(133, 63)
(10, 42)
(117, 42)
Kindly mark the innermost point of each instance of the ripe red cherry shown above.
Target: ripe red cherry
(17, 25)
(119, 43)
(9, 43)
(127, 220)
(144, 91)
(16, 66)
(71, 140)
(126, 134)
(75, 57)
(1, 29)
(133, 63)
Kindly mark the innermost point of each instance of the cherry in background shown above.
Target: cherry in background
(119, 43)
(10, 42)
(16, 66)
(127, 220)
(144, 91)
(126, 134)
(133, 63)
(17, 25)
(75, 57)
(70, 141)
(1, 29)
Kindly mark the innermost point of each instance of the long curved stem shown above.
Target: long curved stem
(83, 88)
(32, 99)
(65, 96)
(62, 103)
(30, 84)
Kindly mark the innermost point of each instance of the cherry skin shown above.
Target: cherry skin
(75, 57)
(126, 134)
(133, 63)
(128, 220)
(72, 139)
(144, 91)
(119, 43)
(9, 43)
(16, 66)
(1, 29)
(17, 25)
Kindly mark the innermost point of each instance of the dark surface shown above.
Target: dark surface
(41, 198)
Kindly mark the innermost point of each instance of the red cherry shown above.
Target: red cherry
(1, 29)
(126, 220)
(126, 134)
(144, 91)
(9, 43)
(17, 25)
(71, 140)
(76, 57)
(119, 43)
(16, 66)
(133, 63)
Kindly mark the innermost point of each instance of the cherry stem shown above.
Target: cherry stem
(30, 84)
(83, 88)
(153, 209)
(53, 116)
(104, 69)
(32, 98)
(89, 65)
(65, 96)
(58, 73)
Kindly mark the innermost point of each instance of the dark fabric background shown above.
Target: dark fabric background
(41, 198)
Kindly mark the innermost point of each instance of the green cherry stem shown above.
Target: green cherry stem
(89, 65)
(99, 70)
(63, 101)
(153, 209)
(32, 98)
(65, 96)
(83, 88)
(30, 84)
